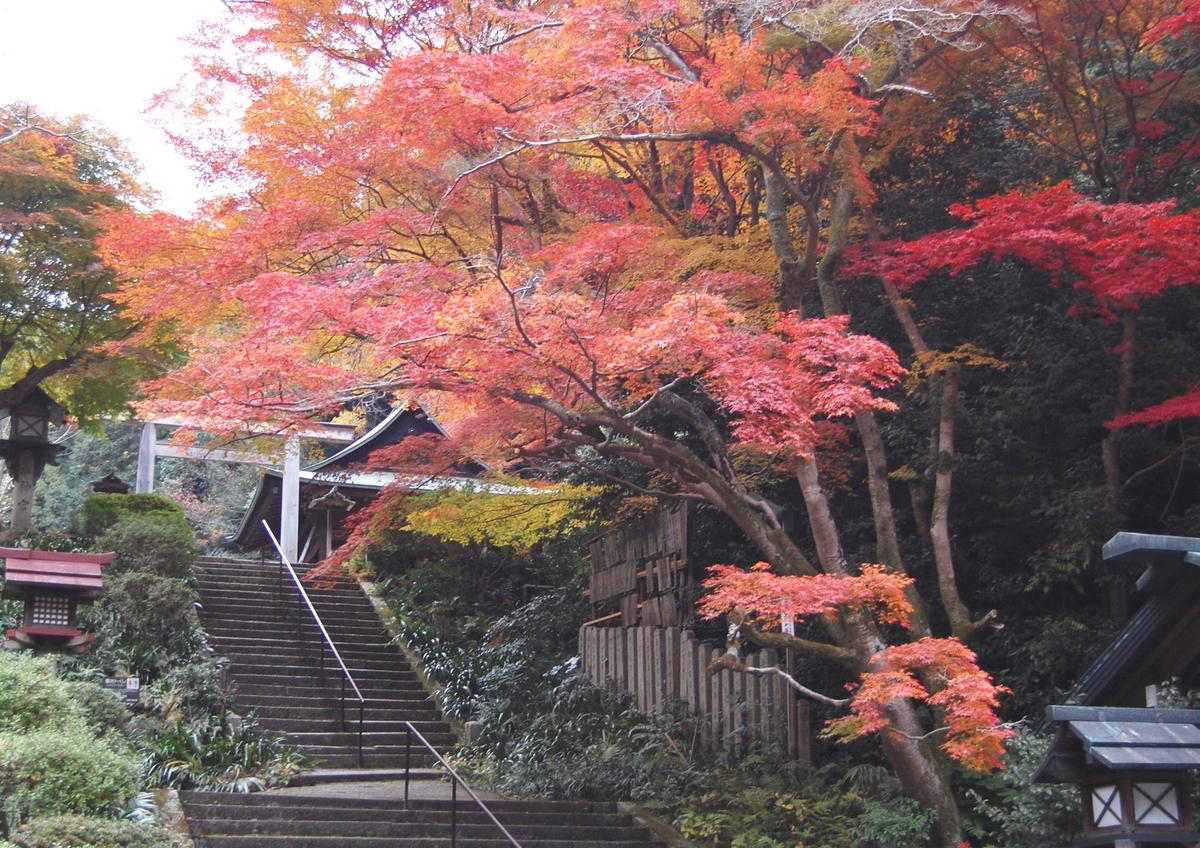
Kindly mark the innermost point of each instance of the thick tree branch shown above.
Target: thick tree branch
(731, 662)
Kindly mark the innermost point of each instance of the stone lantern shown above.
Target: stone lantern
(27, 449)
(52, 585)
(1132, 768)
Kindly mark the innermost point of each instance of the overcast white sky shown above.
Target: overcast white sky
(105, 59)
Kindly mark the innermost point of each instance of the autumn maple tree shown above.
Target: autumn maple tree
(55, 313)
(1108, 90)
(587, 234)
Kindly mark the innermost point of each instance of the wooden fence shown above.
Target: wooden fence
(734, 710)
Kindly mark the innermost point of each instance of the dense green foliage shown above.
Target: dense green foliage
(151, 543)
(55, 305)
(101, 511)
(69, 748)
(219, 756)
(87, 832)
(61, 749)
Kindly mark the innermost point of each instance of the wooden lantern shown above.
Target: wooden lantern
(27, 449)
(52, 585)
(1132, 767)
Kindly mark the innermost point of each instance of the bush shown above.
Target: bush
(145, 623)
(218, 757)
(64, 770)
(151, 544)
(81, 832)
(1009, 810)
(102, 511)
(31, 696)
(104, 711)
(192, 691)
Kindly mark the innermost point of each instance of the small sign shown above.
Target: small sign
(128, 688)
(788, 623)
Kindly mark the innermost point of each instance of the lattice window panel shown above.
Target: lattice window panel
(51, 611)
(1155, 804)
(29, 425)
(1106, 806)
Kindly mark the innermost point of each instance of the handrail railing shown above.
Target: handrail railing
(346, 676)
(455, 780)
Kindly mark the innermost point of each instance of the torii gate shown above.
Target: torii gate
(151, 447)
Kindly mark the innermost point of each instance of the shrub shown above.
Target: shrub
(64, 770)
(192, 691)
(145, 623)
(104, 711)
(899, 821)
(151, 544)
(82, 832)
(214, 756)
(1011, 811)
(31, 696)
(102, 511)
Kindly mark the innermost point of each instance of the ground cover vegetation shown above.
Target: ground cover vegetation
(75, 761)
(902, 294)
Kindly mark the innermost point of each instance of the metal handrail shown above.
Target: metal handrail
(455, 780)
(347, 677)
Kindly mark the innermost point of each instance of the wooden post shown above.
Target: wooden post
(672, 665)
(804, 734)
(716, 707)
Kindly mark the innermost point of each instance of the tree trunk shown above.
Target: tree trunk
(919, 773)
(939, 521)
(914, 761)
(791, 272)
(1110, 452)
(887, 540)
(1109, 449)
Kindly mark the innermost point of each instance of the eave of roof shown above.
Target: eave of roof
(1172, 580)
(1091, 739)
(26, 570)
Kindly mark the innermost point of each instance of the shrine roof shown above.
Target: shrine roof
(1091, 739)
(1162, 639)
(25, 569)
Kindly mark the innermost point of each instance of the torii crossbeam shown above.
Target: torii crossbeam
(151, 447)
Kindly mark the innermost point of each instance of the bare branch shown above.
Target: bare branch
(731, 662)
(500, 42)
(17, 125)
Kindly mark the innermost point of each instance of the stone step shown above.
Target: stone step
(418, 714)
(407, 828)
(285, 641)
(333, 731)
(332, 712)
(263, 636)
(295, 841)
(350, 599)
(317, 808)
(391, 735)
(251, 668)
(248, 611)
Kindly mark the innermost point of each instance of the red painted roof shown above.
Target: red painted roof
(24, 568)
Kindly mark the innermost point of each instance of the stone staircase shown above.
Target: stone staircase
(275, 820)
(276, 670)
(275, 665)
